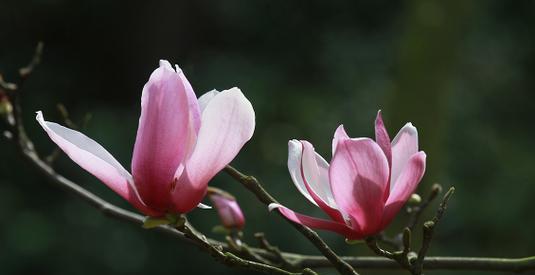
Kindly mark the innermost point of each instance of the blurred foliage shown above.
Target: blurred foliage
(461, 71)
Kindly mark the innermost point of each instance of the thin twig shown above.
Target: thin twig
(229, 258)
(264, 244)
(26, 71)
(429, 229)
(244, 250)
(255, 187)
(417, 211)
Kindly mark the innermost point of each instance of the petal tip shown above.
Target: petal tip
(40, 118)
(273, 206)
(379, 114)
(306, 143)
(293, 143)
(203, 206)
(166, 65)
(423, 154)
(235, 89)
(410, 129)
(340, 132)
(177, 69)
(39, 115)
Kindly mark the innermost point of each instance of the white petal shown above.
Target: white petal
(315, 170)
(92, 157)
(81, 142)
(206, 98)
(295, 152)
(203, 206)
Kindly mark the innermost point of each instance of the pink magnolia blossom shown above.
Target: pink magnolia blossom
(365, 185)
(228, 210)
(182, 142)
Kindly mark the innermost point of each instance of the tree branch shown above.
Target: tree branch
(228, 258)
(256, 188)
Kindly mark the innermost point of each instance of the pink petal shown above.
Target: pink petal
(193, 104)
(227, 123)
(405, 185)
(314, 174)
(316, 223)
(92, 157)
(404, 145)
(194, 112)
(295, 153)
(187, 193)
(162, 136)
(339, 134)
(316, 170)
(359, 174)
(382, 138)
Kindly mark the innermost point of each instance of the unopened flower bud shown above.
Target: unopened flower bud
(6, 109)
(415, 199)
(228, 210)
(5, 105)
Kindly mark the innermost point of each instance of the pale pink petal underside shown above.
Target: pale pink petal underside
(194, 113)
(405, 185)
(93, 158)
(339, 134)
(314, 173)
(295, 153)
(193, 104)
(227, 123)
(206, 98)
(404, 145)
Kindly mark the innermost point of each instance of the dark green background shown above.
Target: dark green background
(461, 71)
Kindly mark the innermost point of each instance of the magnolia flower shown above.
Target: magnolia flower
(365, 185)
(228, 210)
(182, 142)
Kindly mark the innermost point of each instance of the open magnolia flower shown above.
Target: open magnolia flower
(182, 142)
(365, 185)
